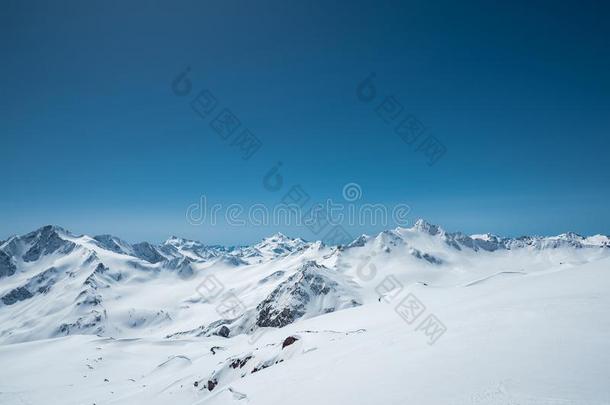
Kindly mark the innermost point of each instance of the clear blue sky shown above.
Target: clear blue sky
(93, 138)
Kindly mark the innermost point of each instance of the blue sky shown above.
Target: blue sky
(94, 139)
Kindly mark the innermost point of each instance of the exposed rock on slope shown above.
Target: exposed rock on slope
(311, 291)
(44, 242)
(7, 267)
(39, 284)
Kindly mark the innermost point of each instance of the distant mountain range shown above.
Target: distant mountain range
(206, 324)
(87, 279)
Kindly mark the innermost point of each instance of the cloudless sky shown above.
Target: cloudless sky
(93, 138)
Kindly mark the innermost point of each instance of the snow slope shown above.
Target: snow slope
(412, 315)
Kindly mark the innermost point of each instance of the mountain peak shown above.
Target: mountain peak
(280, 239)
(48, 229)
(422, 225)
(277, 237)
(485, 236)
(173, 240)
(113, 243)
(570, 236)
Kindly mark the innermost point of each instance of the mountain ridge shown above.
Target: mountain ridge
(100, 284)
(118, 244)
(191, 323)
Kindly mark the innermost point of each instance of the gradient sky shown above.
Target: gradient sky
(94, 139)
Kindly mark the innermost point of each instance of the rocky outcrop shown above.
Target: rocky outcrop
(45, 241)
(425, 256)
(16, 295)
(91, 322)
(312, 290)
(148, 252)
(182, 266)
(7, 266)
(289, 340)
(39, 284)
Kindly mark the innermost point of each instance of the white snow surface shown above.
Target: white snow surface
(96, 320)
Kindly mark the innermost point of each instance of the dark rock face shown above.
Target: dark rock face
(109, 242)
(182, 266)
(89, 296)
(40, 284)
(16, 295)
(143, 250)
(93, 279)
(91, 322)
(358, 242)
(458, 239)
(235, 363)
(46, 241)
(146, 251)
(89, 315)
(431, 259)
(288, 341)
(427, 227)
(212, 384)
(288, 301)
(490, 245)
(223, 331)
(7, 267)
(272, 315)
(427, 257)
(268, 317)
(233, 260)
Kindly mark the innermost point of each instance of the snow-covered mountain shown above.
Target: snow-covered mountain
(222, 322)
